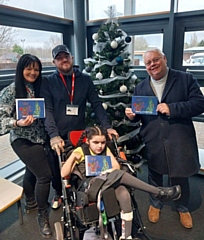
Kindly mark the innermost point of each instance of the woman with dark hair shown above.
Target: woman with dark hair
(27, 138)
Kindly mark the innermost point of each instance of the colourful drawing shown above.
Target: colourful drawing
(93, 166)
(32, 106)
(144, 105)
(97, 164)
(150, 107)
(105, 164)
(37, 109)
(138, 106)
(25, 110)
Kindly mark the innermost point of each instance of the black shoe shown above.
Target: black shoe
(30, 205)
(56, 202)
(167, 193)
(44, 225)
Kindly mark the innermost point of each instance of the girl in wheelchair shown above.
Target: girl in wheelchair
(96, 144)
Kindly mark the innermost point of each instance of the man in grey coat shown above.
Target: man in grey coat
(169, 137)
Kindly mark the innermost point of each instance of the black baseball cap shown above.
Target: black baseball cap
(58, 49)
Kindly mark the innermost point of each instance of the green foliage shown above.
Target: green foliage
(111, 61)
(108, 31)
(17, 49)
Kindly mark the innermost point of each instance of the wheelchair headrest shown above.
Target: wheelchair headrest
(74, 137)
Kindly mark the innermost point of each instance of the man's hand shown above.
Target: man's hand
(57, 144)
(111, 131)
(129, 113)
(163, 108)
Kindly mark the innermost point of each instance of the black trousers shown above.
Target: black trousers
(156, 180)
(54, 166)
(37, 177)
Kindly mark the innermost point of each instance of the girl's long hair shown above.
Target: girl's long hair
(25, 61)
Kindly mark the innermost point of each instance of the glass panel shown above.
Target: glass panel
(184, 5)
(140, 43)
(193, 53)
(97, 8)
(8, 155)
(51, 7)
(142, 7)
(16, 41)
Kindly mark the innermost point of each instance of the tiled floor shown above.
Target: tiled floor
(7, 154)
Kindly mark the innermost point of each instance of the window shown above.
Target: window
(193, 53)
(97, 8)
(184, 5)
(123, 7)
(51, 7)
(18, 41)
(142, 7)
(140, 43)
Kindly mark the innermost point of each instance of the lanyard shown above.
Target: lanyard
(72, 88)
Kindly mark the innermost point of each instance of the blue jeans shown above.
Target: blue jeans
(156, 180)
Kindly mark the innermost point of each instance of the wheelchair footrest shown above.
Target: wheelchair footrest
(90, 234)
(88, 213)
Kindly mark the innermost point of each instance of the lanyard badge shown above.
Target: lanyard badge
(70, 108)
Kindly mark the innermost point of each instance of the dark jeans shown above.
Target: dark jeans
(38, 174)
(56, 176)
(156, 179)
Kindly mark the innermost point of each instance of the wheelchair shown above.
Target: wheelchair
(82, 219)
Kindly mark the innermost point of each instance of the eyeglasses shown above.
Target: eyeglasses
(61, 57)
(154, 60)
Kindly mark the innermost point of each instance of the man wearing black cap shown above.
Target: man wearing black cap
(66, 93)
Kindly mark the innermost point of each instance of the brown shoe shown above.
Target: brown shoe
(186, 219)
(153, 214)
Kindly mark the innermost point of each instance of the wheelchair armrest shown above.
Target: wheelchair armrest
(132, 167)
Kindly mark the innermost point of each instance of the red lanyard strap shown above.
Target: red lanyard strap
(72, 87)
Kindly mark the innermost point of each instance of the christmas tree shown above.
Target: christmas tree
(110, 70)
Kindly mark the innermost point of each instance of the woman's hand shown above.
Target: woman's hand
(25, 122)
(129, 113)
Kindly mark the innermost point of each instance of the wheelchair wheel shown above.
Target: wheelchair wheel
(58, 231)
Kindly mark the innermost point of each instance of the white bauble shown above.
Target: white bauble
(114, 44)
(95, 36)
(123, 89)
(105, 106)
(99, 75)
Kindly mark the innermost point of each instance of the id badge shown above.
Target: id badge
(72, 110)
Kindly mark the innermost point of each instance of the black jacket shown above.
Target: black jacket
(171, 141)
(57, 123)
